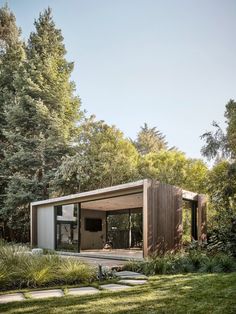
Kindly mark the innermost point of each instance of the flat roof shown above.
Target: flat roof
(121, 189)
(108, 192)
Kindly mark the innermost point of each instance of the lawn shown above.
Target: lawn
(190, 293)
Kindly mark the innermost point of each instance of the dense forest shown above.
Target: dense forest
(50, 147)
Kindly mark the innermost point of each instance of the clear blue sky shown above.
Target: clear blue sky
(170, 63)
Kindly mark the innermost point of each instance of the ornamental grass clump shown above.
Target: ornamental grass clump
(19, 268)
(5, 274)
(37, 271)
(72, 271)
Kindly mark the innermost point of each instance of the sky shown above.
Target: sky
(171, 64)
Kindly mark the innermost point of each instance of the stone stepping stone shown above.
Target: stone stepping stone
(130, 274)
(46, 294)
(115, 287)
(6, 298)
(82, 291)
(133, 281)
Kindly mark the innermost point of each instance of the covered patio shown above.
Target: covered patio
(128, 221)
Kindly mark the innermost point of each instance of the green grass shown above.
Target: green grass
(190, 293)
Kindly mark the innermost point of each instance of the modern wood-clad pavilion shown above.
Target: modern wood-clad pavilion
(83, 222)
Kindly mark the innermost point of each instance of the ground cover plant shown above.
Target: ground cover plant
(184, 262)
(188, 293)
(19, 269)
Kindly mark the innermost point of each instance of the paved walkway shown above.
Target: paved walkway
(100, 261)
(127, 280)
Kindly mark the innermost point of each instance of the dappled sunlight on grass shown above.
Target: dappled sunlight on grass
(191, 293)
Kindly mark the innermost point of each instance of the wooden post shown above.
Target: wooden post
(194, 234)
(202, 219)
(106, 240)
(79, 225)
(130, 229)
(146, 203)
(33, 226)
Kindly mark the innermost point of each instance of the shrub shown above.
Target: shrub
(196, 258)
(184, 262)
(210, 265)
(226, 262)
(158, 265)
(181, 263)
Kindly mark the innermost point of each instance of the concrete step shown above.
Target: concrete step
(130, 274)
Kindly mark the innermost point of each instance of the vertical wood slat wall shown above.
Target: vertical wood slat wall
(162, 217)
(202, 218)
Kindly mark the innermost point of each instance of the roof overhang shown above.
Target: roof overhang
(123, 196)
(118, 194)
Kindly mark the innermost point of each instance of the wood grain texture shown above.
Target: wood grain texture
(164, 217)
(202, 218)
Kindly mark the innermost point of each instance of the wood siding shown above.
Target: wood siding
(202, 218)
(162, 217)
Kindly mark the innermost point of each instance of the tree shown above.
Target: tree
(221, 188)
(221, 184)
(150, 140)
(103, 158)
(50, 74)
(219, 144)
(173, 167)
(12, 55)
(41, 121)
(230, 115)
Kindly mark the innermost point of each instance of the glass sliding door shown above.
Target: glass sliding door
(125, 229)
(67, 233)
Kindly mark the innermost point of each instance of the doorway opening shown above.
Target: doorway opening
(189, 222)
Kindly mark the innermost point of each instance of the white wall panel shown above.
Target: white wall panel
(46, 228)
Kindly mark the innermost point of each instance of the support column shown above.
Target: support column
(202, 219)
(194, 220)
(33, 226)
(130, 229)
(79, 225)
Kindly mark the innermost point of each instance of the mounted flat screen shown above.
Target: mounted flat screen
(93, 224)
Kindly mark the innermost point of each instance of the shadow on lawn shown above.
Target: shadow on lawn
(192, 293)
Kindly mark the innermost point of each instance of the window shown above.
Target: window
(75, 210)
(58, 210)
(93, 224)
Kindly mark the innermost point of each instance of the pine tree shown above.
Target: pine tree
(41, 122)
(11, 59)
(150, 140)
(50, 74)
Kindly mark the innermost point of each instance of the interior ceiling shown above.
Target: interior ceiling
(116, 203)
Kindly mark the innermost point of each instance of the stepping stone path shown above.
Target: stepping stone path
(132, 282)
(5, 298)
(130, 274)
(115, 287)
(126, 277)
(46, 294)
(82, 291)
